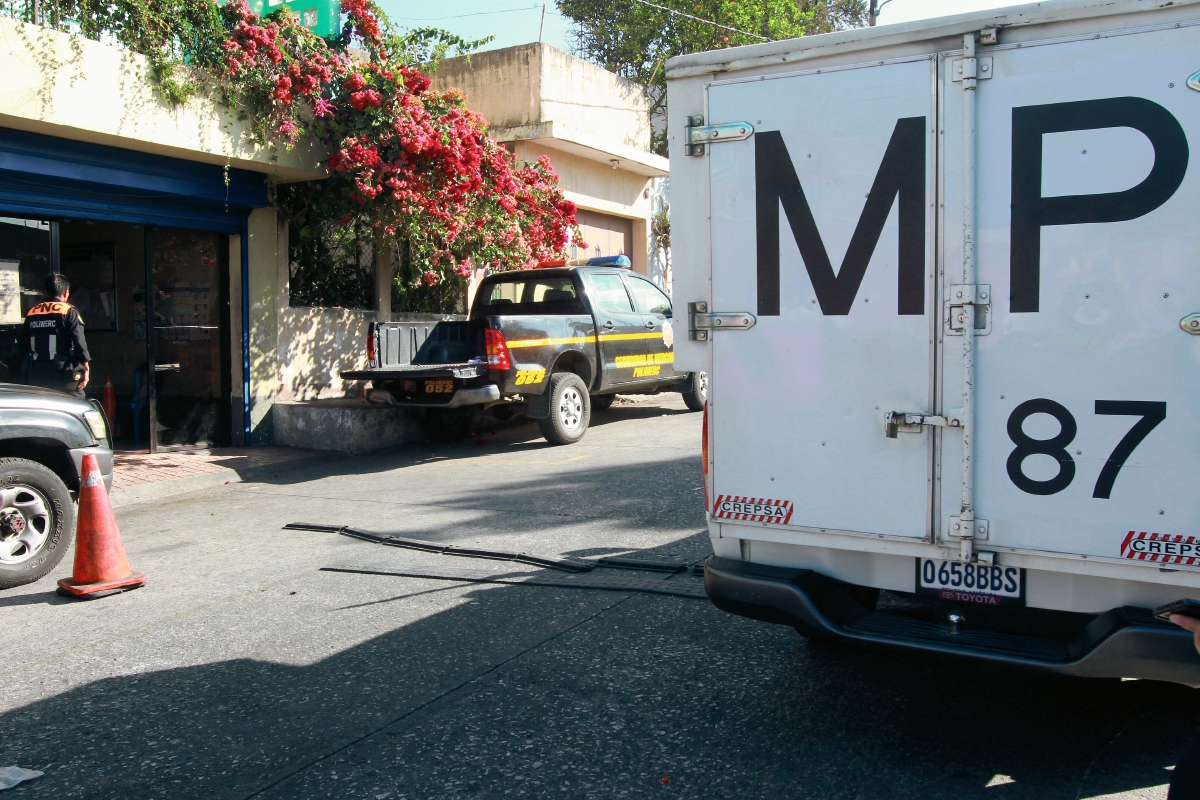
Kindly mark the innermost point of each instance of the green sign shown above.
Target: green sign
(322, 17)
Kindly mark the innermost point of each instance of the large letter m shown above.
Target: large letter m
(902, 173)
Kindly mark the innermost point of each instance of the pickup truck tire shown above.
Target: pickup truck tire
(602, 402)
(447, 424)
(570, 409)
(37, 521)
(695, 397)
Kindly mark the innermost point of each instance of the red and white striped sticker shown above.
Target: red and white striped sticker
(753, 509)
(1161, 547)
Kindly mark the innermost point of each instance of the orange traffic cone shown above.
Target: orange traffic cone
(101, 567)
(109, 402)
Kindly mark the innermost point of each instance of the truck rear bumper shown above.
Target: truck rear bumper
(463, 397)
(1125, 642)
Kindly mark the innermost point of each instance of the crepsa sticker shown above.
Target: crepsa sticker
(668, 333)
(753, 509)
(1161, 547)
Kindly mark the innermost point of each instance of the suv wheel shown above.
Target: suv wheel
(37, 521)
(696, 396)
(570, 409)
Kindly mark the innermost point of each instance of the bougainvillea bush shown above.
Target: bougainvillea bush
(410, 167)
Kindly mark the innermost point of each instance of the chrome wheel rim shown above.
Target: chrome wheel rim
(570, 408)
(25, 523)
(702, 384)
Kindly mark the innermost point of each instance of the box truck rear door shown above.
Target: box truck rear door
(821, 228)
(1088, 431)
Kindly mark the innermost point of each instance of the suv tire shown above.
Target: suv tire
(37, 521)
(570, 409)
(697, 394)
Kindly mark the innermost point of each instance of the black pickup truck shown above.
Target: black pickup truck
(561, 341)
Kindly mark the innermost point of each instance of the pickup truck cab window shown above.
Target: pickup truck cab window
(527, 295)
(650, 299)
(608, 293)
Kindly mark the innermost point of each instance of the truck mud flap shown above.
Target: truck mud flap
(1125, 642)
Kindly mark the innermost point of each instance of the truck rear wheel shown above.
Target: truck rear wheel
(570, 409)
(37, 521)
(697, 394)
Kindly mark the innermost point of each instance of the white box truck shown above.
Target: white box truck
(945, 279)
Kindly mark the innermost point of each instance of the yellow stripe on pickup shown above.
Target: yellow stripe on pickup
(604, 337)
(548, 342)
(622, 337)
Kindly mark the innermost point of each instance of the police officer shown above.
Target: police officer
(57, 357)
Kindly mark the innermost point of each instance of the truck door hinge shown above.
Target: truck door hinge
(895, 422)
(697, 134)
(701, 321)
(977, 68)
(978, 295)
(954, 529)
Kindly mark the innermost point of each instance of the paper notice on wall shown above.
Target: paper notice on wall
(10, 292)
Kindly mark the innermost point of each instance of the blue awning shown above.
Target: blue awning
(47, 176)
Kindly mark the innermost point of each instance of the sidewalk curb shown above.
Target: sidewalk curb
(145, 493)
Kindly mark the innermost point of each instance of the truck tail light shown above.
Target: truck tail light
(372, 351)
(704, 454)
(497, 350)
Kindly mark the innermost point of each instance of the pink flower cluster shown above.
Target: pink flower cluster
(422, 162)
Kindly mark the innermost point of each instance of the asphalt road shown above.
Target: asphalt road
(244, 670)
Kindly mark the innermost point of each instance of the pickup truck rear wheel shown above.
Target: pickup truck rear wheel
(695, 397)
(37, 521)
(570, 409)
(602, 402)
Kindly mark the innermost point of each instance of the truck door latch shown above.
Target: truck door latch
(896, 422)
(696, 134)
(701, 321)
(961, 294)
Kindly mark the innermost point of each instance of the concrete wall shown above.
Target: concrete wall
(522, 86)
(106, 95)
(315, 345)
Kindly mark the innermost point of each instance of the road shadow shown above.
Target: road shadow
(526, 691)
(659, 496)
(516, 435)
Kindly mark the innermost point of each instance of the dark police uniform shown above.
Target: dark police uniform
(57, 349)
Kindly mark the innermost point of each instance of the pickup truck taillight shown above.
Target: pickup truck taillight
(497, 350)
(372, 352)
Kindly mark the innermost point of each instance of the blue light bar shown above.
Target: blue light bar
(610, 261)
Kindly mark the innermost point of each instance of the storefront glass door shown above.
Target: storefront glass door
(189, 354)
